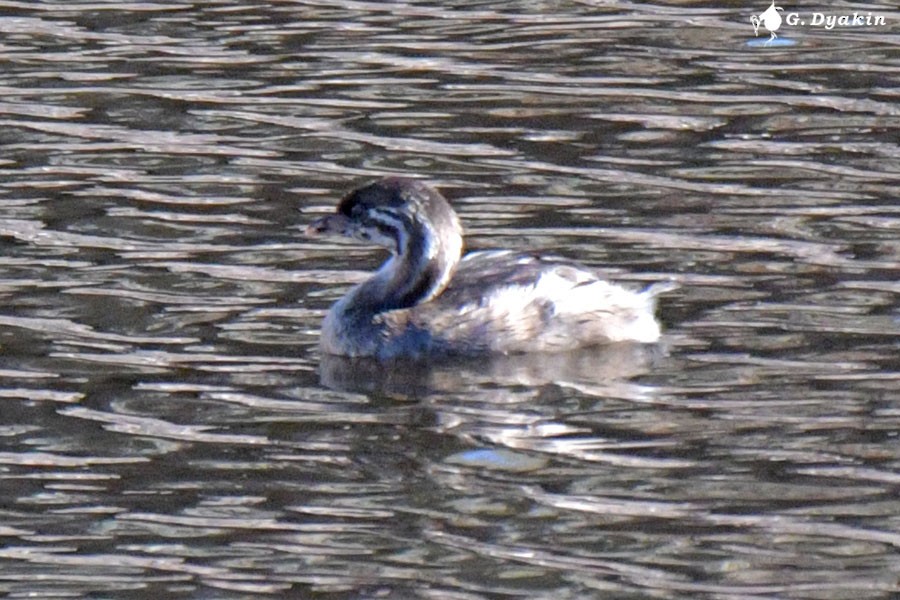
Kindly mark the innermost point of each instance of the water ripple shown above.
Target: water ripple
(170, 428)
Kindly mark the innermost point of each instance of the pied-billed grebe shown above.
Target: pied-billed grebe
(426, 301)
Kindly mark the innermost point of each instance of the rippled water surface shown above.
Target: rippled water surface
(170, 430)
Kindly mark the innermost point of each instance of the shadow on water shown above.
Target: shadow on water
(169, 428)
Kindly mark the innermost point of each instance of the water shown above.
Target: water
(169, 429)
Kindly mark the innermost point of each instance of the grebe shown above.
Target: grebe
(426, 301)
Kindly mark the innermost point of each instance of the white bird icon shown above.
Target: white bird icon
(770, 19)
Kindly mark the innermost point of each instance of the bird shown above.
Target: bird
(427, 300)
(770, 19)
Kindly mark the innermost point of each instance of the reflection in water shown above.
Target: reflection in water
(170, 430)
(600, 367)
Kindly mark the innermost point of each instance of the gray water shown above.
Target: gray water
(170, 430)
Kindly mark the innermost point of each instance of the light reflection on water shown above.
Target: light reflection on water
(169, 428)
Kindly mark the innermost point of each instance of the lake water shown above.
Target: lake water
(170, 430)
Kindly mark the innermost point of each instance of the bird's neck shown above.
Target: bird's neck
(417, 273)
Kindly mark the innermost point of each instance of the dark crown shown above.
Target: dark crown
(400, 195)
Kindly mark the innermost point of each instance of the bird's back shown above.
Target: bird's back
(499, 301)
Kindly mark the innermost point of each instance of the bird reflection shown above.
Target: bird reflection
(597, 369)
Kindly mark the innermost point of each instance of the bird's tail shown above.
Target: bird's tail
(660, 288)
